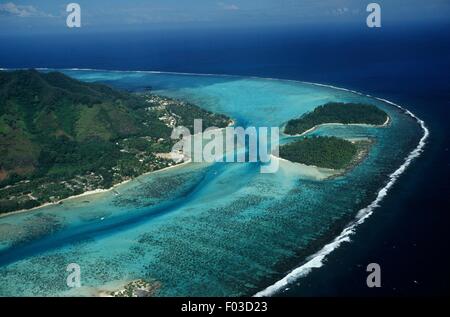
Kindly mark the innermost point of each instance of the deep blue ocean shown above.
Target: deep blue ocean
(408, 235)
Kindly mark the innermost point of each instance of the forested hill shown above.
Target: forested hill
(38, 111)
(327, 152)
(60, 136)
(336, 112)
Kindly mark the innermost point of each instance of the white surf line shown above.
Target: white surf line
(317, 260)
(144, 71)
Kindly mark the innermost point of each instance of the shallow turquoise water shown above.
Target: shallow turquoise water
(203, 229)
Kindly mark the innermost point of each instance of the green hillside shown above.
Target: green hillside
(60, 136)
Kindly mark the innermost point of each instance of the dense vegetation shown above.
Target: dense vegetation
(336, 112)
(187, 114)
(328, 152)
(60, 136)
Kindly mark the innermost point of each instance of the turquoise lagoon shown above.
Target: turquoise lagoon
(221, 229)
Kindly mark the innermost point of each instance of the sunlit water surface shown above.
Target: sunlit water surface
(204, 229)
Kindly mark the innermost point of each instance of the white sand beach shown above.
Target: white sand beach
(388, 119)
(90, 192)
(305, 171)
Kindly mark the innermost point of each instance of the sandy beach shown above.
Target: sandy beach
(388, 119)
(101, 190)
(90, 192)
(305, 171)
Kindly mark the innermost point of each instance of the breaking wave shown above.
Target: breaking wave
(317, 260)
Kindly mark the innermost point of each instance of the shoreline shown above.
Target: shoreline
(307, 171)
(317, 260)
(118, 288)
(360, 156)
(105, 190)
(89, 192)
(388, 119)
